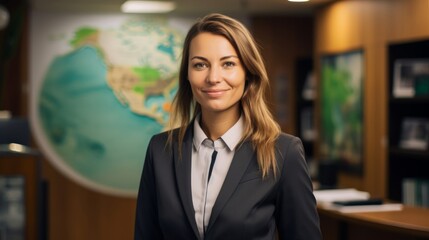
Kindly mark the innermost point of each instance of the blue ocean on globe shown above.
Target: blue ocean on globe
(97, 136)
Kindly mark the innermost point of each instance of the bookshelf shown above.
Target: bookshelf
(304, 115)
(22, 193)
(406, 162)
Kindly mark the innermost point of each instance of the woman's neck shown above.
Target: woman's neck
(215, 124)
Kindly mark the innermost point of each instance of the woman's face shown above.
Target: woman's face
(216, 75)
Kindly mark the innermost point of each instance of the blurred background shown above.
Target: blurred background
(85, 83)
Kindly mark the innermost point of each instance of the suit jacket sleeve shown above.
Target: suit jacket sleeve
(146, 223)
(296, 212)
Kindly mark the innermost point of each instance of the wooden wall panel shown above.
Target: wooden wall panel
(371, 26)
(284, 39)
(75, 212)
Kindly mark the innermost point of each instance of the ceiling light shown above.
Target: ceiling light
(298, 0)
(147, 6)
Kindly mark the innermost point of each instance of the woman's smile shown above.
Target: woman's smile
(214, 93)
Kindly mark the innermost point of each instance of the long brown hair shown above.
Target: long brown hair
(259, 125)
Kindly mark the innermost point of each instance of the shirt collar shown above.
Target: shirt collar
(199, 135)
(231, 138)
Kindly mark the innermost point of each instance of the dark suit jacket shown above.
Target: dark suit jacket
(248, 207)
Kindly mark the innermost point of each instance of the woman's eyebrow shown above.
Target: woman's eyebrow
(226, 57)
(222, 58)
(199, 57)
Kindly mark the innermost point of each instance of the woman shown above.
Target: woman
(226, 172)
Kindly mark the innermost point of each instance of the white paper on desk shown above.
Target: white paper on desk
(326, 197)
(366, 208)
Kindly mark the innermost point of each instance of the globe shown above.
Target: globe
(100, 103)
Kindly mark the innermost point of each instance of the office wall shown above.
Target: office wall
(371, 26)
(283, 40)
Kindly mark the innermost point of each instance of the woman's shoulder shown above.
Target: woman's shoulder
(291, 151)
(163, 137)
(289, 145)
(286, 139)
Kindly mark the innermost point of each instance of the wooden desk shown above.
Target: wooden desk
(408, 224)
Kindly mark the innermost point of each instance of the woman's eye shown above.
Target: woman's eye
(200, 65)
(229, 64)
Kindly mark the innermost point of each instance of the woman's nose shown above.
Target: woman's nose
(214, 75)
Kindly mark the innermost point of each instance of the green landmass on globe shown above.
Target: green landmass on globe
(133, 85)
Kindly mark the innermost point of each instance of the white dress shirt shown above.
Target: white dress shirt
(204, 192)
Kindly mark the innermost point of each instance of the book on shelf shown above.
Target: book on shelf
(415, 192)
(414, 133)
(309, 89)
(308, 132)
(12, 206)
(411, 78)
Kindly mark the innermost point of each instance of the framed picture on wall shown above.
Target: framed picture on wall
(411, 77)
(342, 80)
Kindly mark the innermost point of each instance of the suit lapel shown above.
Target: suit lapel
(241, 160)
(183, 177)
